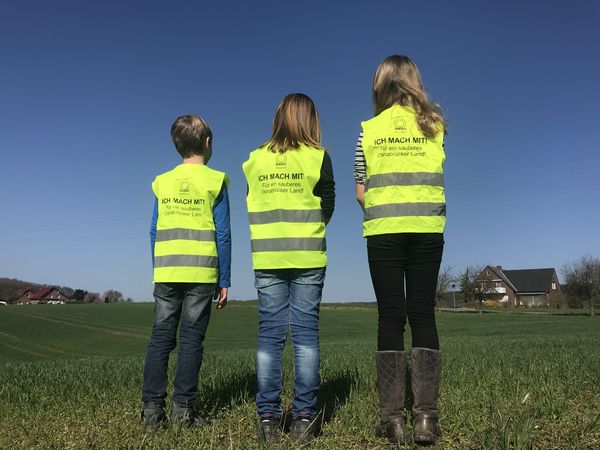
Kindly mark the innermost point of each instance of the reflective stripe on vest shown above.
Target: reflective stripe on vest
(286, 220)
(285, 215)
(404, 188)
(405, 179)
(186, 261)
(405, 209)
(287, 244)
(185, 250)
(185, 234)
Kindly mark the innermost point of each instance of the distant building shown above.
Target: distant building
(44, 295)
(524, 287)
(24, 295)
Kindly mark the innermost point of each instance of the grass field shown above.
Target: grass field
(70, 378)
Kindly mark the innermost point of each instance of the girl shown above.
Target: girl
(400, 186)
(290, 200)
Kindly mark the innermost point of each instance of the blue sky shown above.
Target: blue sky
(88, 93)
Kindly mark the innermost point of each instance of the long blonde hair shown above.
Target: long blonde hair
(296, 122)
(397, 81)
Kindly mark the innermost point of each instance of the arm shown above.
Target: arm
(325, 188)
(360, 172)
(223, 232)
(360, 194)
(153, 229)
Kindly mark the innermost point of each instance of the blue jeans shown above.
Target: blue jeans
(288, 298)
(190, 304)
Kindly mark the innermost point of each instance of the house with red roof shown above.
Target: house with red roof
(45, 295)
(23, 295)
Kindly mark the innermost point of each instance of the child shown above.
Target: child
(400, 185)
(290, 200)
(191, 248)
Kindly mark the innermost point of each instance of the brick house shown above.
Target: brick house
(23, 295)
(47, 294)
(524, 287)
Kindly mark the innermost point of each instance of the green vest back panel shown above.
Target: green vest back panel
(185, 249)
(404, 189)
(286, 222)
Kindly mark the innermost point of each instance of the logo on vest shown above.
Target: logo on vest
(281, 160)
(399, 124)
(184, 187)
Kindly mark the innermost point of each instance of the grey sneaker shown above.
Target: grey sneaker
(186, 416)
(153, 418)
(269, 428)
(303, 430)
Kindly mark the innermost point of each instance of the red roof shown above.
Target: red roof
(22, 292)
(41, 293)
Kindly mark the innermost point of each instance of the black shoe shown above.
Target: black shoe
(186, 416)
(303, 429)
(153, 418)
(269, 429)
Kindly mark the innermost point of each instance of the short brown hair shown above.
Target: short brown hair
(189, 135)
(296, 122)
(397, 81)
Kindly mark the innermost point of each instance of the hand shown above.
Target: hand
(221, 295)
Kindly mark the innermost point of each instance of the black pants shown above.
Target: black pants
(414, 259)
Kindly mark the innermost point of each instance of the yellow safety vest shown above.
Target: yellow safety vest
(404, 190)
(185, 250)
(286, 221)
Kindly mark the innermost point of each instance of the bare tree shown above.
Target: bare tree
(91, 297)
(111, 296)
(473, 288)
(445, 280)
(582, 281)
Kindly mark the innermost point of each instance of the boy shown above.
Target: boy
(191, 249)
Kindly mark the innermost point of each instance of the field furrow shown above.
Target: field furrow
(510, 381)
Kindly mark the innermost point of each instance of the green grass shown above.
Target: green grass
(70, 378)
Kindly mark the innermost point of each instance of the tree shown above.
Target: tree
(111, 296)
(79, 295)
(473, 288)
(67, 291)
(444, 282)
(9, 288)
(582, 281)
(91, 297)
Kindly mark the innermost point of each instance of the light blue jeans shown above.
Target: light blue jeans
(288, 298)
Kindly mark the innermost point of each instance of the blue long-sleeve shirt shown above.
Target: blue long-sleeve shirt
(222, 229)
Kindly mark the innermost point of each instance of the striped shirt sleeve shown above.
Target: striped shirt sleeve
(360, 167)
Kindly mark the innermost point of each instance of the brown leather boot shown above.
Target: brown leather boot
(391, 384)
(426, 369)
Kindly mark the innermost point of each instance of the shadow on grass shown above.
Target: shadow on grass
(334, 394)
(229, 392)
(242, 388)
